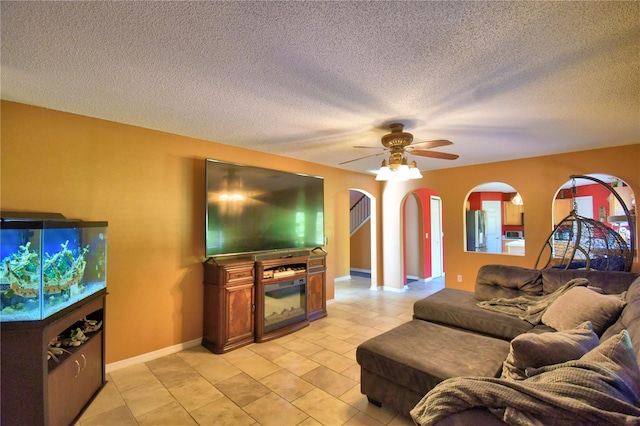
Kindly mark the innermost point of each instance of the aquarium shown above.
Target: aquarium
(48, 265)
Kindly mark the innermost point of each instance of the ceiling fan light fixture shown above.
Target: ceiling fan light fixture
(384, 173)
(398, 170)
(414, 173)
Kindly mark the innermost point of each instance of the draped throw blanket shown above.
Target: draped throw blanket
(574, 393)
(530, 308)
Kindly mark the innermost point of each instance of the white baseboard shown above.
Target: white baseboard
(395, 289)
(152, 355)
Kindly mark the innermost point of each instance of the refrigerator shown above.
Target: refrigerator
(476, 230)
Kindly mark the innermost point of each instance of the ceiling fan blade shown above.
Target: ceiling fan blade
(361, 158)
(432, 144)
(434, 154)
(374, 147)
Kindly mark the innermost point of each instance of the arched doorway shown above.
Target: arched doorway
(363, 234)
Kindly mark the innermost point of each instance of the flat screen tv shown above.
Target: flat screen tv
(253, 209)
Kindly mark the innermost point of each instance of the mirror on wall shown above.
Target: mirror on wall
(494, 220)
(594, 201)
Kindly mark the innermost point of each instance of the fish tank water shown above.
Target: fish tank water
(48, 265)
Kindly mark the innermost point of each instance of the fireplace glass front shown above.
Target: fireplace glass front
(285, 303)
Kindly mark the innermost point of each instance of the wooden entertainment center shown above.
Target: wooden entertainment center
(234, 296)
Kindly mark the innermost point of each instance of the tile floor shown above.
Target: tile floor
(310, 377)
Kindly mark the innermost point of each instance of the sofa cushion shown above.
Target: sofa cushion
(618, 355)
(629, 318)
(501, 281)
(610, 282)
(580, 304)
(458, 308)
(540, 349)
(418, 355)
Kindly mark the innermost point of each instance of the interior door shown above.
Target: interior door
(437, 269)
(493, 210)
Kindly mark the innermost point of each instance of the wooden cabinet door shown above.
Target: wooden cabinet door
(315, 287)
(72, 384)
(240, 304)
(512, 213)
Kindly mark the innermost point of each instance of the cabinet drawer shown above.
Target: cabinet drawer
(316, 263)
(244, 274)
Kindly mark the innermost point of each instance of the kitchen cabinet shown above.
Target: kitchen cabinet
(561, 208)
(229, 304)
(512, 214)
(41, 391)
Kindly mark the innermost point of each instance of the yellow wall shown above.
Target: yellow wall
(149, 186)
(537, 179)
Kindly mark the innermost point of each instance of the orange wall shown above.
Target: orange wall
(537, 179)
(149, 186)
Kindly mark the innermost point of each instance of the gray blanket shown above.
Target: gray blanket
(573, 393)
(529, 308)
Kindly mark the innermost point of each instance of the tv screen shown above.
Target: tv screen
(252, 209)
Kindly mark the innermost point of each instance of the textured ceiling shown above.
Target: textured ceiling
(309, 80)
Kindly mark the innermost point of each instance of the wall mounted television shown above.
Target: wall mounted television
(253, 209)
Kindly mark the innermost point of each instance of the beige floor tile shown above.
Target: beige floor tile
(196, 393)
(361, 419)
(326, 409)
(256, 366)
(132, 377)
(338, 322)
(334, 344)
(352, 373)
(287, 385)
(145, 398)
(310, 421)
(217, 370)
(222, 412)
(242, 389)
(356, 399)
(236, 355)
(296, 363)
(268, 350)
(310, 334)
(334, 361)
(301, 346)
(357, 339)
(400, 420)
(338, 332)
(171, 414)
(107, 399)
(272, 410)
(366, 330)
(172, 370)
(119, 416)
(329, 381)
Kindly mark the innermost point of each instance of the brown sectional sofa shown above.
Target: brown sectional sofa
(451, 336)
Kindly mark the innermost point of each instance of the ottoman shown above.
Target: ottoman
(400, 366)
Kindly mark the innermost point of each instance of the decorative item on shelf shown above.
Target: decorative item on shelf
(90, 326)
(517, 200)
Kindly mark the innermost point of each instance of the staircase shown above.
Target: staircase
(360, 213)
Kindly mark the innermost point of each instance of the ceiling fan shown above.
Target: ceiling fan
(397, 143)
